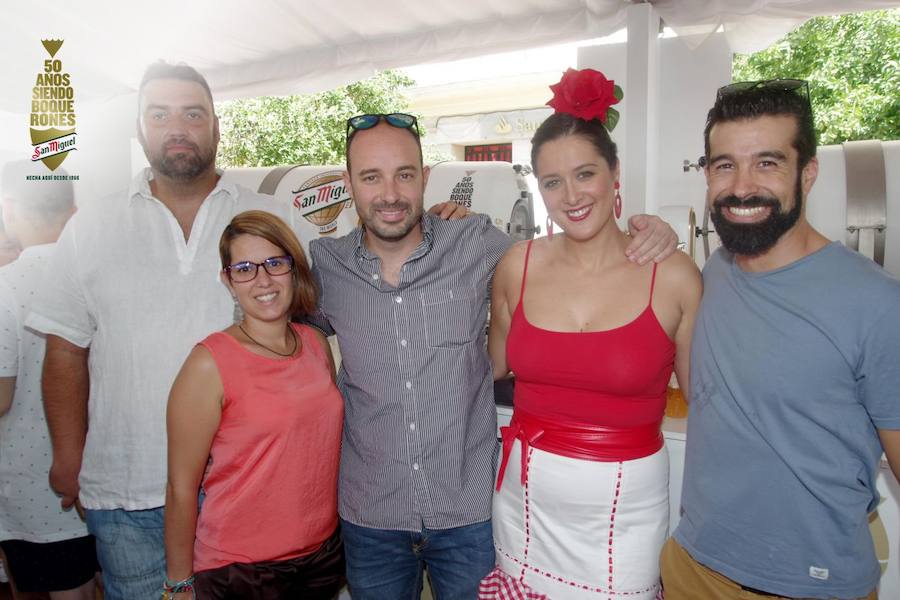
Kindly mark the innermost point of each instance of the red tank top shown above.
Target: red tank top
(613, 378)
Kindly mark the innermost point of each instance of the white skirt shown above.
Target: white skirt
(581, 528)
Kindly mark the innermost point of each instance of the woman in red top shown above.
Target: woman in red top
(254, 421)
(582, 507)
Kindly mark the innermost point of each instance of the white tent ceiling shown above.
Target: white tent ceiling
(282, 46)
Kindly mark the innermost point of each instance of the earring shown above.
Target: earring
(549, 228)
(618, 205)
(238, 314)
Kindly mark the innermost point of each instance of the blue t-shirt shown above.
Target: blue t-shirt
(792, 372)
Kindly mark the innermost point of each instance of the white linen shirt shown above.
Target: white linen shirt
(29, 509)
(124, 282)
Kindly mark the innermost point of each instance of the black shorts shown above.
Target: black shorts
(316, 576)
(52, 566)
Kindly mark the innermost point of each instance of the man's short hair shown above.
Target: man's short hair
(353, 133)
(760, 101)
(163, 70)
(47, 200)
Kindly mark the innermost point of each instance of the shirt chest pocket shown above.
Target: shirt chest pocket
(451, 316)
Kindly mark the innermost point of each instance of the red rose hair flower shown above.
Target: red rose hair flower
(587, 94)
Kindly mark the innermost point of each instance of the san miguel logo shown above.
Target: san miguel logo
(52, 111)
(321, 199)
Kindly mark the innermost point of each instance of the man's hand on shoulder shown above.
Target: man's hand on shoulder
(652, 239)
(450, 211)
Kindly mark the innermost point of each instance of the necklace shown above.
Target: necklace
(293, 335)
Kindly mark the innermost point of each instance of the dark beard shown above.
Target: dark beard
(183, 166)
(755, 238)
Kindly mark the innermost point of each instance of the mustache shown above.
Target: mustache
(181, 142)
(749, 202)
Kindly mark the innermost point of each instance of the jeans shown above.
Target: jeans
(385, 563)
(131, 552)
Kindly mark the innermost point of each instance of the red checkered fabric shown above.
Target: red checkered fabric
(500, 586)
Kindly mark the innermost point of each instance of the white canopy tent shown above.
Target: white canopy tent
(273, 47)
(276, 47)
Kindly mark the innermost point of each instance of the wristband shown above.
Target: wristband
(170, 588)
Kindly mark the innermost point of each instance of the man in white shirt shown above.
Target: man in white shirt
(47, 549)
(132, 287)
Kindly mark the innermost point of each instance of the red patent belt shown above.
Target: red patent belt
(577, 440)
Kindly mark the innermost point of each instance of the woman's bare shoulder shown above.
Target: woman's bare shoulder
(517, 251)
(513, 261)
(201, 361)
(198, 380)
(679, 273)
(678, 265)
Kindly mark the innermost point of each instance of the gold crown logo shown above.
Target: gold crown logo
(52, 46)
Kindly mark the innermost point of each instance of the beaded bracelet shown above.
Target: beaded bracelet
(170, 588)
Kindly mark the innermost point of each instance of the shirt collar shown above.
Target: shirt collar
(140, 186)
(39, 250)
(423, 248)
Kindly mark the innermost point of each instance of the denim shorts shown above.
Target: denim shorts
(131, 552)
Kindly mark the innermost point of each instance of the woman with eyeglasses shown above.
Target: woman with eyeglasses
(254, 423)
(581, 508)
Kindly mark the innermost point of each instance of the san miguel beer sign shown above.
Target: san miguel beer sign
(321, 199)
(52, 111)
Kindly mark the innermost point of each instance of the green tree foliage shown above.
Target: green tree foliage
(852, 63)
(303, 129)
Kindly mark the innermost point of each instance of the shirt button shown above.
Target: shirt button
(398, 299)
(415, 466)
(412, 426)
(409, 385)
(403, 343)
(374, 275)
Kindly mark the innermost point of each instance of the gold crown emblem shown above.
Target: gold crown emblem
(52, 46)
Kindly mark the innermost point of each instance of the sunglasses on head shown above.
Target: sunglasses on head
(787, 85)
(362, 122)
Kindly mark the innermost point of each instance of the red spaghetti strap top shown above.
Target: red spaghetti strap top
(615, 378)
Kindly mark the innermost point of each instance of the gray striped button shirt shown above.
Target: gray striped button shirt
(420, 425)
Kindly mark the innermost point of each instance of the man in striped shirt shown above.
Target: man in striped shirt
(407, 295)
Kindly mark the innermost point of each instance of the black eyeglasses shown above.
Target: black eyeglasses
(243, 272)
(787, 85)
(363, 122)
